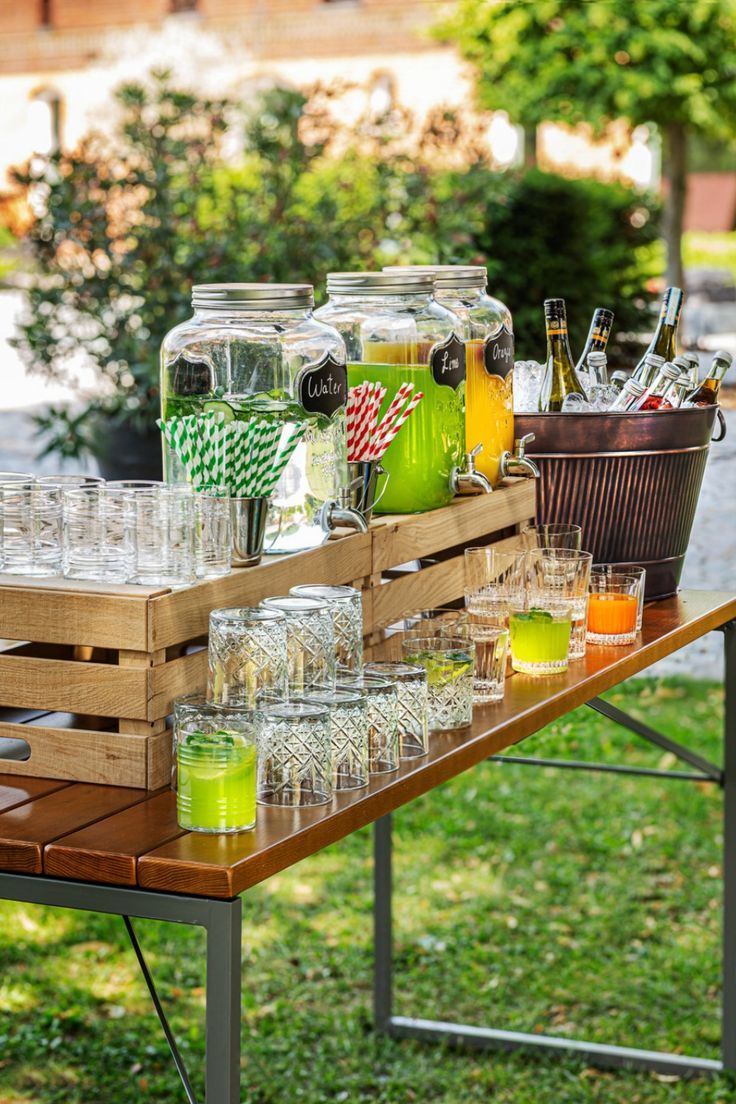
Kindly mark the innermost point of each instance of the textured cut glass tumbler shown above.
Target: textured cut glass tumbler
(310, 641)
(32, 528)
(636, 572)
(99, 534)
(294, 755)
(449, 663)
(346, 607)
(247, 657)
(411, 686)
(383, 719)
(164, 535)
(349, 730)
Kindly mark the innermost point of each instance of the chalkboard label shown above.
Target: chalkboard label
(447, 362)
(498, 353)
(322, 387)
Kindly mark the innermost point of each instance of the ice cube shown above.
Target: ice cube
(601, 396)
(575, 404)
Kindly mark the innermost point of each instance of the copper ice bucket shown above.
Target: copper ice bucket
(630, 480)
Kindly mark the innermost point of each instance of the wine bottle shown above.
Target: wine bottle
(598, 334)
(707, 393)
(664, 341)
(560, 378)
(654, 396)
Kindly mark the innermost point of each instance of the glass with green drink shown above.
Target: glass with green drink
(449, 663)
(540, 640)
(215, 767)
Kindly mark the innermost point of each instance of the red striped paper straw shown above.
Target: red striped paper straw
(380, 446)
(363, 422)
(393, 409)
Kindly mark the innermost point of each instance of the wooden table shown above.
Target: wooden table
(118, 850)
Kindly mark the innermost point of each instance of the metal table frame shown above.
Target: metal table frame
(597, 1054)
(222, 921)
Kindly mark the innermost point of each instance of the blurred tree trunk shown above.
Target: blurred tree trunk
(675, 151)
(530, 147)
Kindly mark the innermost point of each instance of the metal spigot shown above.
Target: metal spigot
(467, 480)
(339, 514)
(517, 462)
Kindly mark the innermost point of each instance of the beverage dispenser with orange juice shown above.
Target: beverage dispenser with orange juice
(487, 331)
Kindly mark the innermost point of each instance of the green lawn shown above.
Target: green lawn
(537, 900)
(710, 251)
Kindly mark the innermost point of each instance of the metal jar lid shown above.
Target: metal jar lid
(448, 277)
(252, 297)
(400, 282)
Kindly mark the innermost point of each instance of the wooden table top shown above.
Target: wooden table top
(121, 836)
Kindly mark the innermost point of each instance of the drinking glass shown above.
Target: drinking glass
(556, 535)
(213, 540)
(491, 649)
(215, 756)
(294, 754)
(349, 732)
(310, 641)
(70, 482)
(612, 608)
(411, 684)
(16, 477)
(561, 576)
(32, 528)
(346, 606)
(247, 656)
(494, 583)
(449, 663)
(164, 535)
(383, 718)
(136, 485)
(441, 621)
(99, 534)
(636, 572)
(540, 640)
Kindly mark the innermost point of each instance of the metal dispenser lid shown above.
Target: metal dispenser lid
(252, 297)
(400, 282)
(448, 277)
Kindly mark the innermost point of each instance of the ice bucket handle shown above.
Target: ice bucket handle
(721, 425)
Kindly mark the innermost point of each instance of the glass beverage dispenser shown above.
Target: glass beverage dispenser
(488, 333)
(396, 332)
(256, 351)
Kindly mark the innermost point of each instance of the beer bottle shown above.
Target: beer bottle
(560, 378)
(598, 334)
(664, 341)
(628, 396)
(694, 362)
(707, 393)
(650, 367)
(654, 396)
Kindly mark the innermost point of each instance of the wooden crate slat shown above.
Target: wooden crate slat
(185, 675)
(184, 614)
(108, 850)
(70, 617)
(101, 689)
(81, 755)
(396, 540)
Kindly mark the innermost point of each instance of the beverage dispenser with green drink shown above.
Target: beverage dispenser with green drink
(256, 352)
(396, 332)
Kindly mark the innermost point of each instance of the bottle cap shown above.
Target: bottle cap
(597, 358)
(554, 308)
(252, 297)
(723, 355)
(634, 387)
(682, 363)
(671, 372)
(447, 277)
(654, 360)
(380, 283)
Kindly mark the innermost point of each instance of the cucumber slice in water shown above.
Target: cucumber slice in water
(220, 408)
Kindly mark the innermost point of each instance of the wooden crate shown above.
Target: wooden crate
(88, 673)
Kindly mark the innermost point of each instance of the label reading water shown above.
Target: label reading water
(447, 362)
(498, 353)
(322, 388)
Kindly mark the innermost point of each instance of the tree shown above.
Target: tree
(668, 62)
